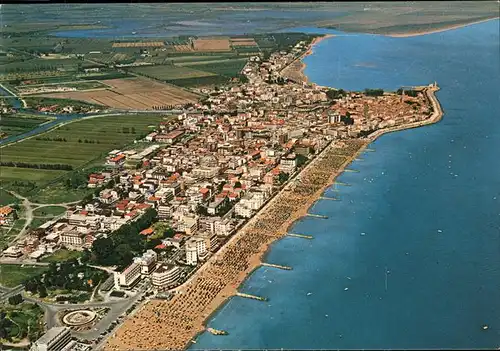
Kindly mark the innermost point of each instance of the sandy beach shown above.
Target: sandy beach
(173, 324)
(417, 33)
(295, 70)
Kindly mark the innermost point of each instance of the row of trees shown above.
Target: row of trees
(56, 166)
(374, 92)
(119, 248)
(89, 141)
(412, 93)
(334, 94)
(51, 139)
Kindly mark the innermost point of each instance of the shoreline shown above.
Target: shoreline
(218, 279)
(439, 30)
(299, 71)
(257, 259)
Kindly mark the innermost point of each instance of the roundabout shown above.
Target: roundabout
(79, 318)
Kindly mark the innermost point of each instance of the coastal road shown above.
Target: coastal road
(14, 291)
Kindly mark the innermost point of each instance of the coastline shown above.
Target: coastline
(444, 29)
(297, 67)
(218, 280)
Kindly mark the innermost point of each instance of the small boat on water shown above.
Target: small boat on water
(309, 294)
(217, 332)
(485, 327)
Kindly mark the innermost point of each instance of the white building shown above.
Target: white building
(147, 262)
(165, 276)
(55, 339)
(196, 248)
(128, 277)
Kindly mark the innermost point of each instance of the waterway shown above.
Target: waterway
(410, 256)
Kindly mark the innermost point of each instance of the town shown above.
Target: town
(163, 208)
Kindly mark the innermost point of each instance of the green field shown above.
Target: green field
(6, 198)
(12, 275)
(199, 81)
(78, 85)
(229, 68)
(20, 123)
(7, 234)
(169, 72)
(101, 133)
(61, 255)
(49, 211)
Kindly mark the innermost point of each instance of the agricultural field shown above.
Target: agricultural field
(228, 68)
(169, 72)
(139, 44)
(133, 93)
(62, 86)
(6, 198)
(11, 125)
(91, 138)
(212, 44)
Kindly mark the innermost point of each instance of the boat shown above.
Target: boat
(309, 294)
(485, 327)
(217, 332)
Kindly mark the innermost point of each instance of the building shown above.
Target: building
(128, 277)
(165, 276)
(147, 262)
(55, 339)
(6, 215)
(73, 238)
(196, 248)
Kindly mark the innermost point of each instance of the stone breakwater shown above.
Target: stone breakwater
(173, 324)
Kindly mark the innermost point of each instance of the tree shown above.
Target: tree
(16, 299)
(42, 291)
(237, 185)
(282, 177)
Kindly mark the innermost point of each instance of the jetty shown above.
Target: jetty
(342, 183)
(279, 266)
(369, 150)
(217, 331)
(359, 159)
(303, 236)
(328, 198)
(248, 296)
(351, 170)
(317, 216)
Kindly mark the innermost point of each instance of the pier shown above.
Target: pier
(317, 216)
(342, 183)
(286, 268)
(369, 150)
(359, 159)
(328, 198)
(303, 236)
(351, 170)
(248, 296)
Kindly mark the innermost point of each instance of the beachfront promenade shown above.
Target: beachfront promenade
(173, 324)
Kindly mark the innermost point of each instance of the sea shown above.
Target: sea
(409, 257)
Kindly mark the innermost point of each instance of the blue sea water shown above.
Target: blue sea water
(427, 201)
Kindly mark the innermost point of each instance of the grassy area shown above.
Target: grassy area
(229, 68)
(21, 321)
(102, 135)
(8, 234)
(20, 123)
(169, 72)
(49, 211)
(91, 138)
(62, 255)
(12, 275)
(6, 198)
(199, 82)
(81, 85)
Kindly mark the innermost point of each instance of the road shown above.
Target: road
(29, 208)
(11, 292)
